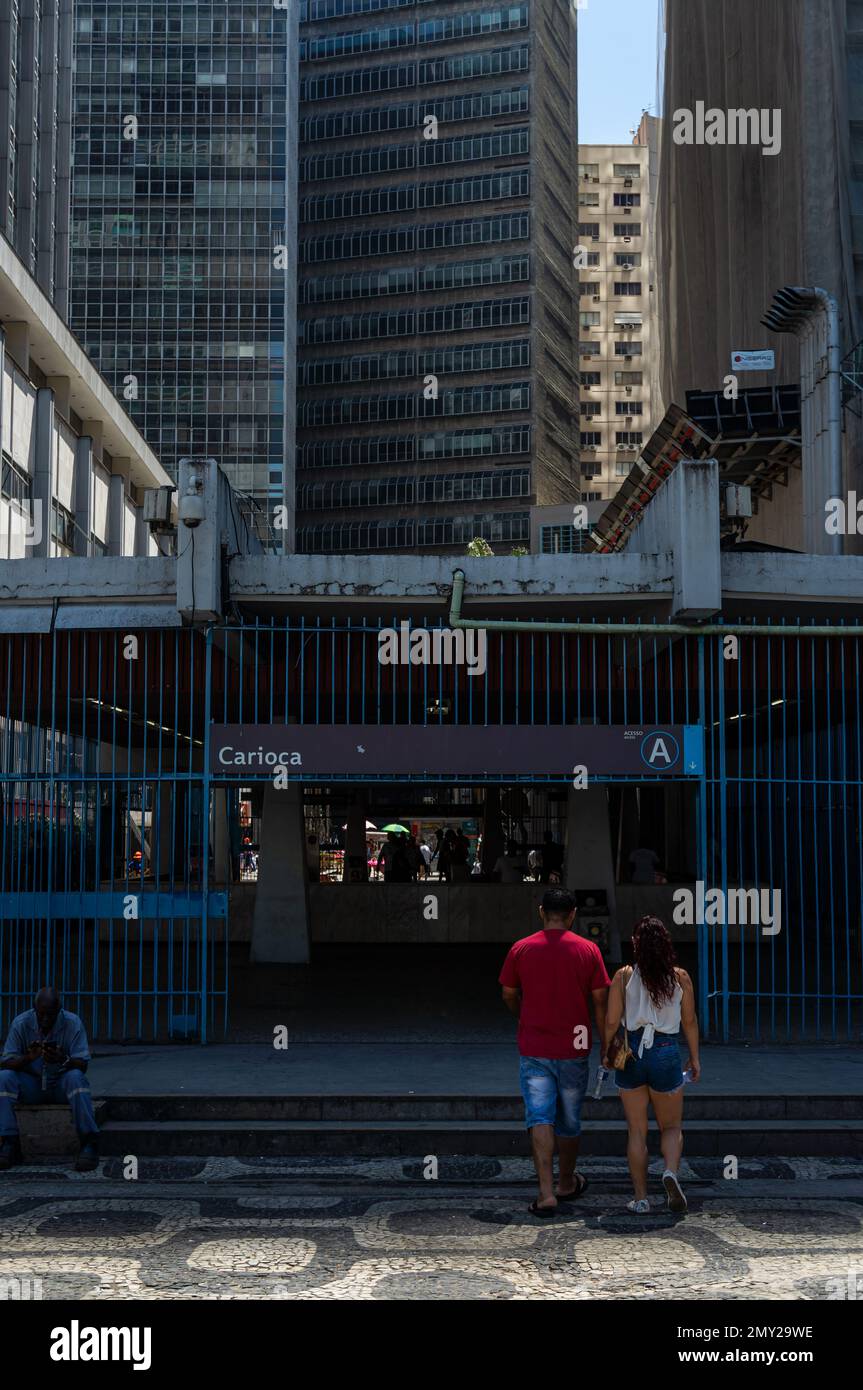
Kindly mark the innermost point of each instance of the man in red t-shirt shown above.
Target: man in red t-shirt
(547, 980)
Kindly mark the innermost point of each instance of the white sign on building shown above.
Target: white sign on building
(764, 360)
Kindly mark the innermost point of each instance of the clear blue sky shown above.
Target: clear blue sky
(616, 68)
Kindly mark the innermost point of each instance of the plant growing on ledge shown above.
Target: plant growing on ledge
(519, 550)
(478, 547)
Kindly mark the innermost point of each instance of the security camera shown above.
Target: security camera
(192, 503)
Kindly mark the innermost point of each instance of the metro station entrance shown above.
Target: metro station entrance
(418, 959)
(136, 765)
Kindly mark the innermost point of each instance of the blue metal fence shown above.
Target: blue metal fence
(106, 798)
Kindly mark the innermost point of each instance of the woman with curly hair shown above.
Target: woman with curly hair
(652, 1001)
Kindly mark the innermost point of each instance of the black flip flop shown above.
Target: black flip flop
(544, 1212)
(579, 1191)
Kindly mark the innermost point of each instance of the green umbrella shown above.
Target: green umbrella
(398, 829)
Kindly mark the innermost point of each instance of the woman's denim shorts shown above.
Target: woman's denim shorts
(659, 1068)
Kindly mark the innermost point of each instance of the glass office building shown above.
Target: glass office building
(438, 334)
(35, 110)
(183, 252)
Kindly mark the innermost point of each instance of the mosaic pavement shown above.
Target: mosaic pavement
(377, 1229)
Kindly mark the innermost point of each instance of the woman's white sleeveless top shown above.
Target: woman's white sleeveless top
(641, 1012)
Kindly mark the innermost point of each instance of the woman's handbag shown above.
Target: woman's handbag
(619, 1051)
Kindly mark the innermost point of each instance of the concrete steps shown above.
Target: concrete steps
(366, 1126)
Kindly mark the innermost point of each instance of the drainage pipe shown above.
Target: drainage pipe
(651, 629)
(833, 410)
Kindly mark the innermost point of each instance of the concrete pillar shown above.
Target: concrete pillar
(280, 927)
(62, 388)
(18, 344)
(589, 856)
(83, 494)
(94, 428)
(630, 828)
(199, 558)
(43, 472)
(221, 836)
(142, 533)
(492, 830)
(116, 513)
(355, 866)
(161, 843)
(680, 831)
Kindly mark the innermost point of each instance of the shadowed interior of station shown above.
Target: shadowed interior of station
(371, 994)
(379, 994)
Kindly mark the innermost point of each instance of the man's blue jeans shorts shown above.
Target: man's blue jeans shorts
(553, 1090)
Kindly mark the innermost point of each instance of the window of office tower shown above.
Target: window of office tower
(179, 198)
(421, 243)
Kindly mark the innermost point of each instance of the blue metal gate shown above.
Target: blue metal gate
(106, 883)
(104, 825)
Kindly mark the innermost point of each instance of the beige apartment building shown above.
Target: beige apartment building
(618, 339)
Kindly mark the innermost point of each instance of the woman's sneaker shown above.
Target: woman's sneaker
(639, 1205)
(673, 1191)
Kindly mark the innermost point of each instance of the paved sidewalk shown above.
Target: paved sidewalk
(457, 1069)
(786, 1230)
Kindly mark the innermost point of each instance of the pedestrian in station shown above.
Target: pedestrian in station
(400, 868)
(552, 858)
(460, 856)
(44, 1062)
(426, 855)
(650, 1003)
(510, 867)
(549, 981)
(643, 865)
(444, 862)
(414, 858)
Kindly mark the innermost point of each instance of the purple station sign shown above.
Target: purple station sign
(318, 751)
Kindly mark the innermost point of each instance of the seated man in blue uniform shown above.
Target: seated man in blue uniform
(44, 1061)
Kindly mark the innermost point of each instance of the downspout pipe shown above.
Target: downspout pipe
(834, 398)
(651, 629)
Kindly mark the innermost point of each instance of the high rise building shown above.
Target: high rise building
(184, 225)
(437, 374)
(739, 219)
(617, 310)
(35, 110)
(74, 467)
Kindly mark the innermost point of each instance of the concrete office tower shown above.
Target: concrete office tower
(438, 393)
(736, 224)
(35, 110)
(183, 246)
(618, 336)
